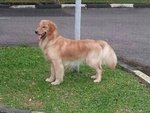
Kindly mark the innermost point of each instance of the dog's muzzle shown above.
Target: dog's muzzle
(41, 36)
(36, 32)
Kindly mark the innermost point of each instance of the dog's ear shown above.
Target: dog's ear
(52, 28)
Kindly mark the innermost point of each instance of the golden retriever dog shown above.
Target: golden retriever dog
(60, 50)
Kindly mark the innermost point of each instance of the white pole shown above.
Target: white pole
(77, 19)
(77, 25)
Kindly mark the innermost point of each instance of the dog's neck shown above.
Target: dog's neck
(43, 43)
(54, 35)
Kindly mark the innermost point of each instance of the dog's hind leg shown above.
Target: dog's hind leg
(95, 65)
(99, 74)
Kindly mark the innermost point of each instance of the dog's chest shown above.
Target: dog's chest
(43, 44)
(44, 47)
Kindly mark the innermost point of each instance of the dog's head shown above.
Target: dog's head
(45, 28)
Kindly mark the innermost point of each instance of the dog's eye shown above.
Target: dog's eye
(44, 27)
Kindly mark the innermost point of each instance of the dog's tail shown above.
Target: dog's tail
(109, 57)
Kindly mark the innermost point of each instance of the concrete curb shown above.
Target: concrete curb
(142, 76)
(122, 5)
(8, 110)
(71, 5)
(141, 5)
(98, 6)
(22, 6)
(47, 6)
(4, 6)
(12, 110)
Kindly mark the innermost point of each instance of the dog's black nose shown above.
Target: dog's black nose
(36, 32)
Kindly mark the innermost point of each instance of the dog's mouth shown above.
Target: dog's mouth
(41, 36)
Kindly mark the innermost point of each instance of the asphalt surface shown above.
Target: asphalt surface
(126, 29)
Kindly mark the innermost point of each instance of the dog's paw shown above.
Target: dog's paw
(56, 82)
(93, 77)
(97, 80)
(49, 80)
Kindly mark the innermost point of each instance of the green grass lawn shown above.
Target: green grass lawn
(72, 1)
(23, 71)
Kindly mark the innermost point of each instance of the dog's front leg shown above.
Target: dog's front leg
(59, 72)
(52, 76)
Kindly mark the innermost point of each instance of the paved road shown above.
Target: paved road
(127, 30)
